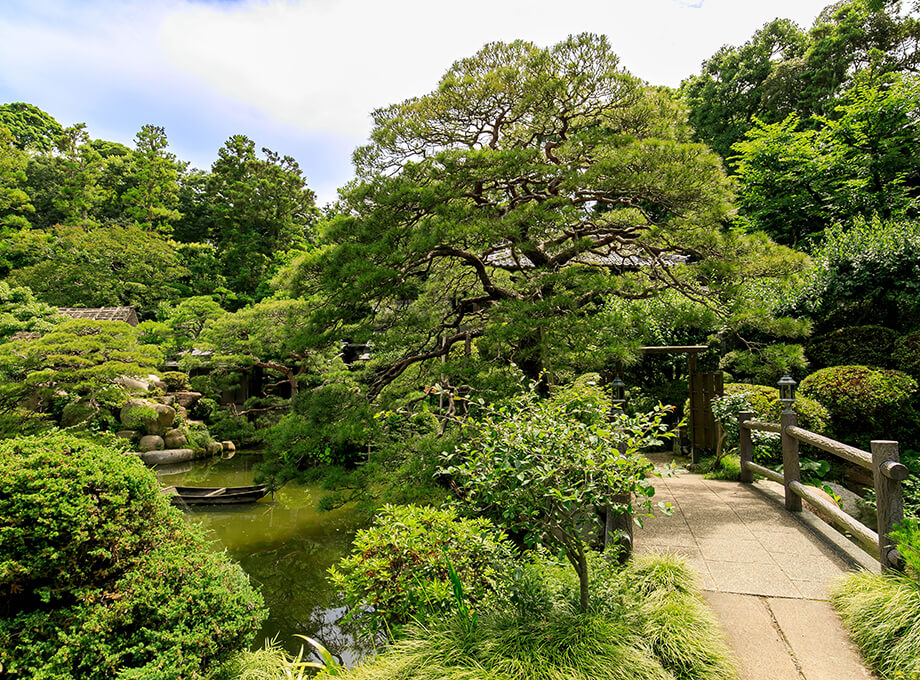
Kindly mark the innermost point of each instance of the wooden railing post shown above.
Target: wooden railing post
(745, 447)
(791, 471)
(888, 500)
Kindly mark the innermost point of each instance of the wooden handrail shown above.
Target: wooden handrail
(887, 471)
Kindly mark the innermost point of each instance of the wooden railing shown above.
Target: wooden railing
(884, 461)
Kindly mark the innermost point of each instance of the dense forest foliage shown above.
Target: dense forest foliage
(538, 216)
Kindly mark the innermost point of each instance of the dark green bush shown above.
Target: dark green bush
(398, 569)
(176, 381)
(852, 345)
(906, 354)
(864, 403)
(100, 578)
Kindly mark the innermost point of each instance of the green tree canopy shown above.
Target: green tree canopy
(100, 266)
(796, 179)
(14, 201)
(783, 70)
(151, 201)
(32, 128)
(260, 207)
(511, 202)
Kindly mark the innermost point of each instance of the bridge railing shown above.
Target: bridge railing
(883, 459)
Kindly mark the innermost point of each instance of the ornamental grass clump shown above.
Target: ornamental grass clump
(882, 611)
(644, 622)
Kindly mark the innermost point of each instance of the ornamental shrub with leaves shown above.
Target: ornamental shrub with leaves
(763, 400)
(859, 345)
(864, 403)
(867, 272)
(541, 472)
(398, 570)
(906, 355)
(100, 578)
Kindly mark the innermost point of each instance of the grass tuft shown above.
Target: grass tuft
(882, 613)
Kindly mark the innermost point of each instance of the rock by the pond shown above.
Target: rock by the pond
(167, 399)
(186, 399)
(126, 434)
(151, 442)
(165, 417)
(175, 439)
(168, 456)
(138, 414)
(228, 446)
(214, 448)
(133, 384)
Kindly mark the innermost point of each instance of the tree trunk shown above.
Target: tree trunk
(580, 563)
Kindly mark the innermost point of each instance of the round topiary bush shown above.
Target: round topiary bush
(864, 402)
(906, 354)
(100, 578)
(852, 345)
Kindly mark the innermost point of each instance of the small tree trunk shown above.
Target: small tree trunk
(580, 563)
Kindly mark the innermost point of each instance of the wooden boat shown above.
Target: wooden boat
(211, 495)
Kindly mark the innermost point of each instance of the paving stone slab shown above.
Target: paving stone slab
(818, 640)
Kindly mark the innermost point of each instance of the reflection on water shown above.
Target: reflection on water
(284, 545)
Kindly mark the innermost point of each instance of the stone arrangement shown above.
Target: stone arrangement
(157, 421)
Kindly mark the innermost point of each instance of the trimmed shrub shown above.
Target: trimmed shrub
(100, 578)
(864, 402)
(906, 354)
(398, 570)
(853, 345)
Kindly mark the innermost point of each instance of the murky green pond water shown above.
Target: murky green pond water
(283, 543)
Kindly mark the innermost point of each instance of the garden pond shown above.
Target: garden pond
(283, 542)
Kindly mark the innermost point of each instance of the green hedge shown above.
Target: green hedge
(906, 354)
(864, 403)
(862, 345)
(101, 578)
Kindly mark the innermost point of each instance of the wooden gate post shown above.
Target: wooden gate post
(791, 472)
(889, 500)
(745, 447)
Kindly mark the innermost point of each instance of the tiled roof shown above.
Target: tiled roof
(126, 314)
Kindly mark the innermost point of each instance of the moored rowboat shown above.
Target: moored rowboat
(211, 495)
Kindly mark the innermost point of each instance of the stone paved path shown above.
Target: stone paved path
(764, 571)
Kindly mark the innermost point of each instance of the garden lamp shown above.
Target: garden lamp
(618, 388)
(787, 392)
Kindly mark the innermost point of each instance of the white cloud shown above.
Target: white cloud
(303, 76)
(323, 65)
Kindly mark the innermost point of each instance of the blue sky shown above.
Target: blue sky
(302, 76)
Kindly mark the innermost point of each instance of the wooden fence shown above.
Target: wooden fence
(884, 461)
